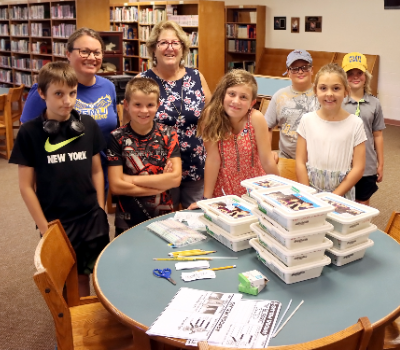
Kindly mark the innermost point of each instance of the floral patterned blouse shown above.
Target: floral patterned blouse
(183, 117)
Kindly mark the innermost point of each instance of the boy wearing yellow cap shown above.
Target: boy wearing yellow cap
(361, 103)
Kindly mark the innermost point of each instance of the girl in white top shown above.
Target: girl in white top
(330, 153)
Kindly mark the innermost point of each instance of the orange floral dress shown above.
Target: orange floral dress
(239, 161)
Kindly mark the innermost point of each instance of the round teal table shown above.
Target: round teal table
(370, 287)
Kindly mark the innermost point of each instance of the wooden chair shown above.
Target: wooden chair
(355, 337)
(6, 129)
(392, 330)
(14, 103)
(81, 323)
(393, 226)
(275, 132)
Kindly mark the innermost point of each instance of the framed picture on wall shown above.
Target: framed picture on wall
(279, 23)
(295, 24)
(313, 24)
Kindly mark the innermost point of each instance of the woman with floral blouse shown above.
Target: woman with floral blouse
(184, 92)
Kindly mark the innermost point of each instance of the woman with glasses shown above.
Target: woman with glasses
(96, 95)
(184, 91)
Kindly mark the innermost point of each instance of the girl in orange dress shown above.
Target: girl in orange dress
(235, 136)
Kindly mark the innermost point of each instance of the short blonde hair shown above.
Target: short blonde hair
(332, 68)
(151, 42)
(367, 85)
(145, 85)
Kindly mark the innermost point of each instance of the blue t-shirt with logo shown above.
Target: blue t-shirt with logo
(99, 101)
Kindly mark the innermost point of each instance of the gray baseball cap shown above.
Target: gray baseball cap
(296, 55)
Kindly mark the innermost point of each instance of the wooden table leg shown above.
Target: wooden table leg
(376, 341)
(141, 341)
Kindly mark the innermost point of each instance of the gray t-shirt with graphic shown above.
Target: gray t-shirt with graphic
(286, 109)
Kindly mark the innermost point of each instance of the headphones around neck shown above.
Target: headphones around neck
(52, 127)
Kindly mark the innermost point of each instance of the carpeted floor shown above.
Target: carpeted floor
(25, 322)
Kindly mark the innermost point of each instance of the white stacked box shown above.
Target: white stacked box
(291, 232)
(289, 274)
(352, 227)
(228, 220)
(268, 181)
(233, 242)
(292, 209)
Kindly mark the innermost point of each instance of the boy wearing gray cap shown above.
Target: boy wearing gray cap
(289, 104)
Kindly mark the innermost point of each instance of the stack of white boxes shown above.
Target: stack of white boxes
(291, 232)
(352, 227)
(228, 220)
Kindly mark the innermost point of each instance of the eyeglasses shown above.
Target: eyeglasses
(304, 69)
(163, 44)
(85, 53)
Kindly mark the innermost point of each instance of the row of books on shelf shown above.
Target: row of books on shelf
(18, 12)
(193, 38)
(4, 29)
(23, 78)
(6, 75)
(4, 13)
(144, 65)
(128, 32)
(128, 49)
(38, 12)
(37, 29)
(242, 46)
(143, 50)
(41, 47)
(59, 49)
(144, 32)
(246, 65)
(241, 31)
(22, 63)
(20, 46)
(63, 11)
(152, 16)
(63, 30)
(19, 29)
(185, 20)
(192, 59)
(124, 14)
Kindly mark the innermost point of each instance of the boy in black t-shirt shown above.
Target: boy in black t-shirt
(60, 174)
(142, 147)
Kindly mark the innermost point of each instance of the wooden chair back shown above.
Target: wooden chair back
(273, 61)
(55, 263)
(355, 337)
(264, 105)
(275, 132)
(6, 129)
(393, 226)
(14, 102)
(287, 168)
(81, 323)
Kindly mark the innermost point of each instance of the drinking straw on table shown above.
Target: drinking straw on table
(194, 258)
(287, 320)
(280, 321)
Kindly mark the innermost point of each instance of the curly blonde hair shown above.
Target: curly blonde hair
(367, 85)
(332, 68)
(151, 42)
(214, 124)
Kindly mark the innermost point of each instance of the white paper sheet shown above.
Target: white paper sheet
(221, 318)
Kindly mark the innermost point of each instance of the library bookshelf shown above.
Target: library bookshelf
(244, 35)
(35, 32)
(202, 20)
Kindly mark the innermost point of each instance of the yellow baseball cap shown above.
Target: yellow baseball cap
(354, 60)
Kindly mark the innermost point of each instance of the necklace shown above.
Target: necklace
(166, 91)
